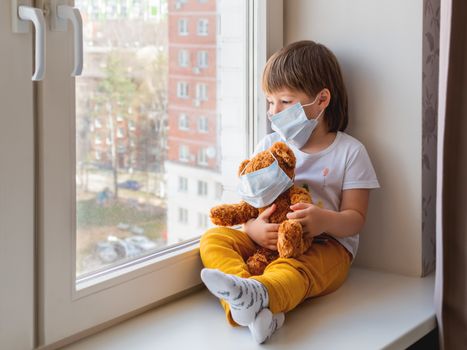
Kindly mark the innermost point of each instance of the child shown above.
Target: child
(308, 110)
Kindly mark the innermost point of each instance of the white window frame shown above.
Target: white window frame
(202, 59)
(65, 313)
(202, 220)
(183, 216)
(202, 188)
(183, 90)
(183, 122)
(202, 27)
(17, 189)
(182, 184)
(202, 157)
(183, 27)
(201, 91)
(203, 124)
(184, 153)
(183, 58)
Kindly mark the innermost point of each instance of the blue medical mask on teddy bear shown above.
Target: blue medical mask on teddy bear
(292, 124)
(261, 187)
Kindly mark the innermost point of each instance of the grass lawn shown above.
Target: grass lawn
(90, 214)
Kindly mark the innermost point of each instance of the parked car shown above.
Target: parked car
(130, 185)
(115, 248)
(141, 242)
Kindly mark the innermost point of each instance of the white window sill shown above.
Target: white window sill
(372, 310)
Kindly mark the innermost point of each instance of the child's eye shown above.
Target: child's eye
(285, 102)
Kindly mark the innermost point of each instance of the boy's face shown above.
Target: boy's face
(285, 98)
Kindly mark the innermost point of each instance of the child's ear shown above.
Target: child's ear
(242, 166)
(283, 152)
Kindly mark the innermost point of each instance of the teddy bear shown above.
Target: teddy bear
(291, 242)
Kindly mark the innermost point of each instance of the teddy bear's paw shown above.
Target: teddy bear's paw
(289, 242)
(221, 216)
(256, 264)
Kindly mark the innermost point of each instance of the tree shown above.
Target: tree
(116, 92)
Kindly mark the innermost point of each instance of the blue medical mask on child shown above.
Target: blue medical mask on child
(293, 126)
(260, 188)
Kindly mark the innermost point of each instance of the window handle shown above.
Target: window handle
(64, 13)
(35, 15)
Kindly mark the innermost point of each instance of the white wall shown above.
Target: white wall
(379, 46)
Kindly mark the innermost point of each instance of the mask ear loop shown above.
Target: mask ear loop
(309, 104)
(314, 101)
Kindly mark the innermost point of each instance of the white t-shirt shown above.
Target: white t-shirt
(343, 165)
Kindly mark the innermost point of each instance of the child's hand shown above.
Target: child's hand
(261, 231)
(309, 216)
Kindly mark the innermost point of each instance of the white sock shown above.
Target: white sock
(245, 296)
(265, 324)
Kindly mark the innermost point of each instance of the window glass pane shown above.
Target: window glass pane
(158, 139)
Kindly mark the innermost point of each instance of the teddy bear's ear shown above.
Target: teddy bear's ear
(242, 166)
(283, 152)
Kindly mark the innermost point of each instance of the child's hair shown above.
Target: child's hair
(309, 67)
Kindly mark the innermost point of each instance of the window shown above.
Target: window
(201, 92)
(202, 59)
(183, 27)
(202, 157)
(179, 4)
(183, 58)
(182, 184)
(202, 220)
(120, 133)
(183, 122)
(203, 124)
(134, 190)
(184, 153)
(218, 191)
(182, 215)
(202, 188)
(182, 89)
(97, 140)
(202, 27)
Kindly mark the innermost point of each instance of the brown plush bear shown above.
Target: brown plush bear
(291, 242)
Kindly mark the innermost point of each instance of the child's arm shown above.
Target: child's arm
(346, 222)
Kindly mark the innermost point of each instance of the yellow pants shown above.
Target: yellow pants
(321, 270)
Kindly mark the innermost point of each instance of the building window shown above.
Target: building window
(183, 153)
(202, 157)
(182, 89)
(97, 123)
(183, 26)
(202, 59)
(182, 215)
(183, 58)
(120, 133)
(183, 123)
(202, 188)
(182, 184)
(201, 92)
(179, 4)
(98, 155)
(97, 140)
(202, 220)
(202, 27)
(219, 189)
(203, 124)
